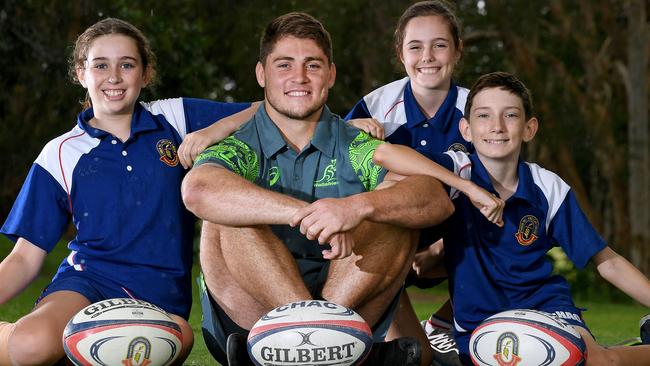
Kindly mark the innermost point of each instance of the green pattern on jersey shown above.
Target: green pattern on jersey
(235, 155)
(361, 150)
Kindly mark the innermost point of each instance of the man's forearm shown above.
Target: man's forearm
(217, 195)
(414, 202)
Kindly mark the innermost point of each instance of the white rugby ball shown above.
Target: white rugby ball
(310, 332)
(122, 332)
(526, 338)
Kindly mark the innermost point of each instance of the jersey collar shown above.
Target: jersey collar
(443, 118)
(272, 141)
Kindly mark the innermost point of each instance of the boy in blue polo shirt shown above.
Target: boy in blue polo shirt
(495, 268)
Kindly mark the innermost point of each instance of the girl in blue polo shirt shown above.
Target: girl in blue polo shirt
(117, 176)
(422, 111)
(496, 268)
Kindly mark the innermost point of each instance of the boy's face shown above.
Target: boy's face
(497, 125)
(296, 78)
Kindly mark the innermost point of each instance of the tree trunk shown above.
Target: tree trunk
(635, 79)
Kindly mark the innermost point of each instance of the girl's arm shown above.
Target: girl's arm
(19, 268)
(621, 273)
(406, 161)
(370, 125)
(194, 143)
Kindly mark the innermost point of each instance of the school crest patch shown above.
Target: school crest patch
(457, 146)
(167, 151)
(527, 230)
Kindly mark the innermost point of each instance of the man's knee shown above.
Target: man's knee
(29, 345)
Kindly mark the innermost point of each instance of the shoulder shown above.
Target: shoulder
(461, 99)
(552, 187)
(166, 107)
(548, 182)
(384, 98)
(62, 153)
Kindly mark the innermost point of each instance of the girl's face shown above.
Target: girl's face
(113, 75)
(428, 53)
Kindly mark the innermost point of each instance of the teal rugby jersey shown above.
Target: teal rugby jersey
(336, 163)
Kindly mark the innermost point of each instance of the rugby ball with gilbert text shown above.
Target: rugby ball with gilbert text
(526, 338)
(124, 332)
(310, 332)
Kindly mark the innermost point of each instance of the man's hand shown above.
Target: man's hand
(326, 217)
(342, 245)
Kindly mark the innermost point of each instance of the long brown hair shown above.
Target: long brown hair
(102, 28)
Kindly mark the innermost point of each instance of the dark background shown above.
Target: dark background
(586, 62)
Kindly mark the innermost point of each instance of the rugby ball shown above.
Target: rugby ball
(310, 332)
(124, 332)
(526, 338)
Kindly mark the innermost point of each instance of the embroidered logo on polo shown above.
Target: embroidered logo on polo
(457, 146)
(274, 175)
(167, 151)
(527, 230)
(233, 154)
(328, 177)
(361, 150)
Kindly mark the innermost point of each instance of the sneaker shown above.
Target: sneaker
(404, 351)
(236, 351)
(644, 325)
(445, 350)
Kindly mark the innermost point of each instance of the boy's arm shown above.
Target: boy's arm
(406, 161)
(194, 143)
(19, 268)
(621, 273)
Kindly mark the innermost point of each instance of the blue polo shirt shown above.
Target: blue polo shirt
(336, 163)
(394, 106)
(491, 268)
(123, 198)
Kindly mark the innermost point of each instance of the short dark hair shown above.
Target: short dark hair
(505, 81)
(299, 25)
(423, 9)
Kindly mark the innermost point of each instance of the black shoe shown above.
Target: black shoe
(236, 351)
(644, 325)
(405, 351)
(443, 345)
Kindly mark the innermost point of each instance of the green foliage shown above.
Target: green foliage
(566, 52)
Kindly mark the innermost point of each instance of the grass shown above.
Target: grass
(610, 322)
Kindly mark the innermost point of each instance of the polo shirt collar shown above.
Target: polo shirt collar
(443, 118)
(480, 175)
(272, 140)
(525, 185)
(141, 121)
(326, 130)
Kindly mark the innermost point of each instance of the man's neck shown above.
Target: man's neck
(296, 132)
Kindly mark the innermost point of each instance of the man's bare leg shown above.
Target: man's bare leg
(248, 271)
(370, 278)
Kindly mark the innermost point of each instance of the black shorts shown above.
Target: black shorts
(216, 325)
